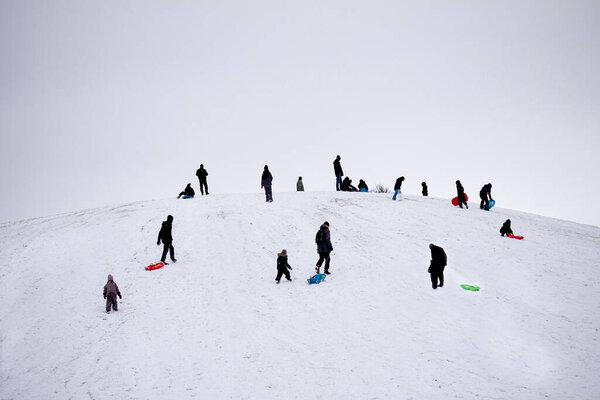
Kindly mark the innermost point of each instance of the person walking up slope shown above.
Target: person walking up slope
(265, 182)
(461, 195)
(111, 291)
(437, 265)
(283, 266)
(324, 247)
(337, 169)
(166, 237)
(398, 187)
(485, 194)
(202, 174)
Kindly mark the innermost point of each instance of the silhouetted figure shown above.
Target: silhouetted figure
(337, 168)
(265, 182)
(485, 194)
(324, 247)
(283, 266)
(111, 291)
(362, 186)
(166, 237)
(347, 185)
(398, 187)
(299, 185)
(424, 190)
(188, 191)
(437, 265)
(202, 174)
(506, 229)
(461, 195)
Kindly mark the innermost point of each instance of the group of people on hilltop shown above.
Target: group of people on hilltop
(189, 192)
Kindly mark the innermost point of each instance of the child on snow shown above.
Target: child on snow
(506, 230)
(283, 266)
(111, 291)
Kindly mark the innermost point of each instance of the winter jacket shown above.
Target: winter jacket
(337, 167)
(201, 174)
(165, 233)
(505, 230)
(282, 262)
(486, 191)
(299, 186)
(362, 185)
(111, 287)
(398, 184)
(267, 179)
(325, 245)
(189, 191)
(438, 258)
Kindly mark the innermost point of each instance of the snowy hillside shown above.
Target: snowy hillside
(215, 326)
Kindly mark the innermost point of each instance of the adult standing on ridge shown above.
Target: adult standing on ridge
(460, 190)
(424, 191)
(337, 168)
(324, 247)
(398, 187)
(437, 265)
(485, 194)
(266, 182)
(299, 185)
(166, 237)
(202, 174)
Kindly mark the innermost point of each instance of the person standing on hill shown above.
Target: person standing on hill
(283, 266)
(424, 191)
(437, 265)
(461, 195)
(324, 247)
(337, 168)
(111, 291)
(202, 174)
(299, 185)
(398, 187)
(188, 191)
(362, 186)
(485, 194)
(506, 229)
(166, 237)
(266, 182)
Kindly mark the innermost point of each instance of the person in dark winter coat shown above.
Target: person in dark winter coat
(111, 291)
(461, 195)
(283, 266)
(437, 265)
(337, 169)
(299, 185)
(506, 230)
(398, 187)
(424, 191)
(202, 174)
(188, 191)
(347, 185)
(324, 247)
(265, 182)
(166, 237)
(485, 194)
(362, 186)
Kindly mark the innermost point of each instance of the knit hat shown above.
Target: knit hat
(110, 278)
(326, 223)
(284, 251)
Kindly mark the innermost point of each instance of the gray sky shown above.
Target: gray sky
(116, 101)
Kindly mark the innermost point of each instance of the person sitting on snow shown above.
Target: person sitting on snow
(111, 291)
(188, 191)
(347, 185)
(283, 266)
(362, 186)
(506, 230)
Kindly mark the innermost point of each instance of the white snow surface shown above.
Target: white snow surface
(215, 325)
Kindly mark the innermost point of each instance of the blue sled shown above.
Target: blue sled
(186, 197)
(492, 202)
(318, 278)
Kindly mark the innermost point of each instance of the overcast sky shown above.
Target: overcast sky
(106, 102)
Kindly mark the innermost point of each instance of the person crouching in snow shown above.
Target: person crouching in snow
(111, 291)
(506, 230)
(437, 265)
(283, 266)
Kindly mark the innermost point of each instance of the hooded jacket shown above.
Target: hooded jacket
(165, 232)
(201, 174)
(266, 179)
(111, 288)
(337, 167)
(486, 191)
(362, 185)
(506, 229)
(398, 184)
(438, 258)
(325, 245)
(282, 262)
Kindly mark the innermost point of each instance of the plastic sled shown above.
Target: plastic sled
(152, 267)
(455, 200)
(470, 287)
(318, 278)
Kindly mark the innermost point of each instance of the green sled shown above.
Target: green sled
(469, 287)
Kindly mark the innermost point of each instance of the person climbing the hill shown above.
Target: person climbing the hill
(424, 190)
(202, 174)
(166, 237)
(398, 187)
(265, 182)
(485, 194)
(283, 266)
(437, 265)
(347, 185)
(299, 185)
(461, 195)
(111, 291)
(324, 247)
(337, 169)
(188, 191)
(362, 186)
(506, 229)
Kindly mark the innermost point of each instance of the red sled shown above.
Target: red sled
(455, 200)
(514, 237)
(152, 267)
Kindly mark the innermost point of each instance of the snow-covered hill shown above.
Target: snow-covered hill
(215, 326)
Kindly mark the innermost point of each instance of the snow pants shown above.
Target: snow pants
(461, 201)
(435, 277)
(324, 257)
(268, 193)
(283, 271)
(396, 193)
(203, 186)
(111, 300)
(168, 247)
(485, 204)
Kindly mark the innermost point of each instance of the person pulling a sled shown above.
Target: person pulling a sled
(485, 194)
(283, 266)
(460, 190)
(166, 237)
(506, 230)
(324, 247)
